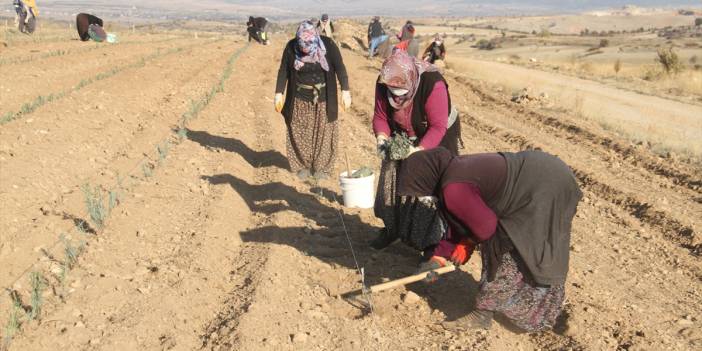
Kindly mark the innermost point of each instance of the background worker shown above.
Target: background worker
(28, 6)
(376, 36)
(256, 27)
(435, 51)
(83, 23)
(407, 41)
(325, 27)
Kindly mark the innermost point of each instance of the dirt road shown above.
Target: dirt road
(671, 123)
(214, 245)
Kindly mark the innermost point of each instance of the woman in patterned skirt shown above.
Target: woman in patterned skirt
(310, 67)
(411, 98)
(518, 207)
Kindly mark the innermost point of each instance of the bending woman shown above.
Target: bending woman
(518, 207)
(310, 67)
(411, 97)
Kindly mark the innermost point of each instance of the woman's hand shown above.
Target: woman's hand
(279, 102)
(346, 99)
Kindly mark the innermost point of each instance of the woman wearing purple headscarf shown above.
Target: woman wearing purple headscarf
(411, 98)
(310, 67)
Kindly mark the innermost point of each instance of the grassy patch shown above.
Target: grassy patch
(37, 284)
(94, 202)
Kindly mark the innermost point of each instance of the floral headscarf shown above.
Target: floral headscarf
(310, 48)
(403, 71)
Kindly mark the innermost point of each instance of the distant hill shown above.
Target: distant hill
(281, 9)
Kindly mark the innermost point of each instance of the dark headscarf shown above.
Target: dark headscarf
(421, 173)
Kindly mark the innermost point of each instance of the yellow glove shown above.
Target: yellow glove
(279, 102)
(346, 99)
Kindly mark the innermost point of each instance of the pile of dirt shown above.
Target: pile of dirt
(349, 34)
(528, 96)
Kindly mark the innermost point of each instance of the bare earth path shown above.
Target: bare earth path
(673, 122)
(222, 249)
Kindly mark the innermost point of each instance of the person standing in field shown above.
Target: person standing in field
(310, 67)
(376, 36)
(407, 41)
(435, 51)
(411, 98)
(326, 27)
(518, 207)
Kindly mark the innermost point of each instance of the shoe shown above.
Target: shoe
(478, 319)
(383, 240)
(303, 174)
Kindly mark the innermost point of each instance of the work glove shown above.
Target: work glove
(346, 99)
(462, 252)
(382, 145)
(279, 102)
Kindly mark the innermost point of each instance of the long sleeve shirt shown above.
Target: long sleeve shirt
(436, 108)
(464, 202)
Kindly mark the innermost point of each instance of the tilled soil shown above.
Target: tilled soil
(215, 245)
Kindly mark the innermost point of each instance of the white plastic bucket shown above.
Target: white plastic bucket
(358, 192)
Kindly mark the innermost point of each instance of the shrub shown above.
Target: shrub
(698, 21)
(670, 61)
(617, 66)
(604, 43)
(484, 44)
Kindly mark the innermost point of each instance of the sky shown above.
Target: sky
(414, 8)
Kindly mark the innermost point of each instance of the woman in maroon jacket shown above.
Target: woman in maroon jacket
(411, 98)
(517, 206)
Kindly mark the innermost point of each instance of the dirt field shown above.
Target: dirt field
(212, 244)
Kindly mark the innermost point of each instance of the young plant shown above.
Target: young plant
(147, 170)
(37, 284)
(95, 204)
(13, 322)
(71, 254)
(617, 66)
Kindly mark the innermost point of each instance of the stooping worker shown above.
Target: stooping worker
(27, 6)
(310, 66)
(407, 41)
(518, 207)
(435, 51)
(325, 27)
(376, 36)
(411, 98)
(83, 23)
(256, 27)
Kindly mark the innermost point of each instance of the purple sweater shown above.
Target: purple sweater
(436, 108)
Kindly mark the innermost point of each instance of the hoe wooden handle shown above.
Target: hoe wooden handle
(411, 279)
